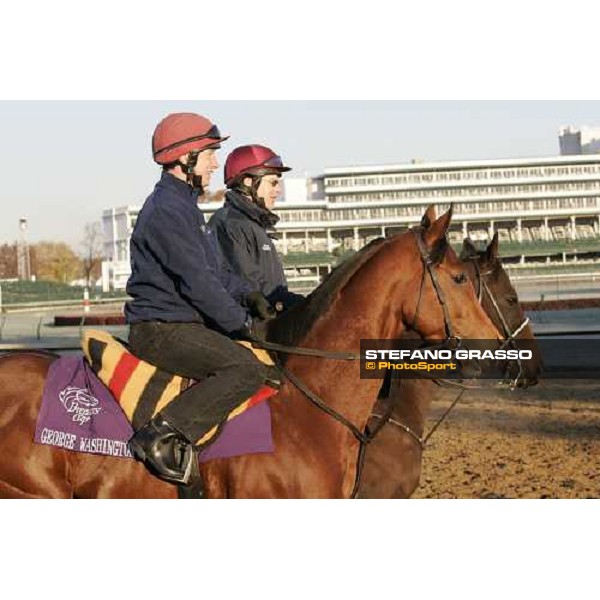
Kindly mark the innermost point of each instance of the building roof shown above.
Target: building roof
(463, 164)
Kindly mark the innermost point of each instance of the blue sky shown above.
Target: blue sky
(66, 161)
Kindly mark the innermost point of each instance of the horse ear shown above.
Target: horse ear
(492, 249)
(438, 229)
(468, 249)
(429, 217)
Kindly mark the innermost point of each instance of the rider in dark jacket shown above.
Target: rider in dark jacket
(186, 302)
(244, 226)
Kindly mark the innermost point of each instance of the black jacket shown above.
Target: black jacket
(177, 271)
(244, 232)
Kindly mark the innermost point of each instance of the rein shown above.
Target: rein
(364, 437)
(368, 435)
(305, 351)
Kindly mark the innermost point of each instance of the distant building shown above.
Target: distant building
(585, 140)
(527, 200)
(295, 189)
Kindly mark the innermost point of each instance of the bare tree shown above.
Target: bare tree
(91, 257)
(8, 261)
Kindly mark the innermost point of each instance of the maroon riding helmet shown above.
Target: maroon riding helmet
(254, 161)
(180, 133)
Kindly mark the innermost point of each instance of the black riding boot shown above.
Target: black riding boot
(164, 450)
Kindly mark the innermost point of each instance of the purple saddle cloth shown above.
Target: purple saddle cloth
(79, 413)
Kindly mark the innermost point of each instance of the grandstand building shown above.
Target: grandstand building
(545, 210)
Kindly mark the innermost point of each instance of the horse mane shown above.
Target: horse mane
(293, 326)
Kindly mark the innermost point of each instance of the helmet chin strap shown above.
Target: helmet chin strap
(252, 190)
(193, 180)
(254, 187)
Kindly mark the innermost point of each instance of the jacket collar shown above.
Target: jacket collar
(179, 187)
(264, 217)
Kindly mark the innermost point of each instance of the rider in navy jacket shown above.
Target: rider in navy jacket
(186, 305)
(177, 272)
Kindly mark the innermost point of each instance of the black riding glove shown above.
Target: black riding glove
(256, 330)
(244, 332)
(259, 306)
(259, 329)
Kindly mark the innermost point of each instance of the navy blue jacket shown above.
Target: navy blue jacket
(177, 271)
(243, 230)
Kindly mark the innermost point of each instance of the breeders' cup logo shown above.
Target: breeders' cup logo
(79, 402)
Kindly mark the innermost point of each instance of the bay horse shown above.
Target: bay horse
(392, 465)
(414, 278)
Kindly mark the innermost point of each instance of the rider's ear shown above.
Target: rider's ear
(429, 217)
(468, 249)
(492, 249)
(438, 229)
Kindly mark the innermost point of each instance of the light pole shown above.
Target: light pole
(24, 265)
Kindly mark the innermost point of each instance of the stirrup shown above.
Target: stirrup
(194, 490)
(164, 450)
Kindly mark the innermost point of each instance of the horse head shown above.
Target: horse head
(499, 300)
(443, 304)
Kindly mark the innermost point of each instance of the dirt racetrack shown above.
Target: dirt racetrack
(538, 443)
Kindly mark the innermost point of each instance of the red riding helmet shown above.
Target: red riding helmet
(180, 133)
(252, 160)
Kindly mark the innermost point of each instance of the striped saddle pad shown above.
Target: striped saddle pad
(141, 389)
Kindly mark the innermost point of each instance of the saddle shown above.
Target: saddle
(142, 389)
(90, 403)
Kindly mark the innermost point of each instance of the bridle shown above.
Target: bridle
(429, 269)
(367, 436)
(483, 286)
(511, 336)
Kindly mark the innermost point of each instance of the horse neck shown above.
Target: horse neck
(361, 310)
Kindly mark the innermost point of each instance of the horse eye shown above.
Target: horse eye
(512, 299)
(460, 278)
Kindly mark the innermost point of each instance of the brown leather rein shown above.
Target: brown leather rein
(364, 437)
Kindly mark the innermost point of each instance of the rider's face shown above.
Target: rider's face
(270, 189)
(206, 165)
